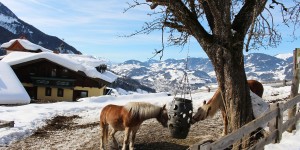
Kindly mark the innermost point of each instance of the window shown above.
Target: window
(64, 73)
(32, 71)
(53, 73)
(60, 92)
(83, 94)
(48, 91)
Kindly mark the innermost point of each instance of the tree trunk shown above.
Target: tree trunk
(229, 68)
(223, 44)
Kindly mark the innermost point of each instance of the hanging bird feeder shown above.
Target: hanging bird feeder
(181, 111)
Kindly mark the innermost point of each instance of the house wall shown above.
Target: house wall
(41, 94)
(27, 84)
(91, 91)
(67, 95)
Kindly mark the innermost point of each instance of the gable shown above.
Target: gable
(32, 70)
(16, 46)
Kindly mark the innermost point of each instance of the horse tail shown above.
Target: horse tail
(105, 133)
(103, 127)
(256, 87)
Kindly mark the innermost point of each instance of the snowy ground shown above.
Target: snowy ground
(28, 118)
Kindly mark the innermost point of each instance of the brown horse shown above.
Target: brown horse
(128, 118)
(210, 108)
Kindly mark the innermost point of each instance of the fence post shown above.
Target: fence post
(276, 123)
(279, 122)
(202, 145)
(294, 89)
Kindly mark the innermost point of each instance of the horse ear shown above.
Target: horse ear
(164, 107)
(204, 102)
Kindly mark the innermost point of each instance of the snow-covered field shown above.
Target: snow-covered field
(32, 116)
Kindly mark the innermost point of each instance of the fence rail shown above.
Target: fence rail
(275, 119)
(4, 123)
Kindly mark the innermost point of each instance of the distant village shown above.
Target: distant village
(31, 73)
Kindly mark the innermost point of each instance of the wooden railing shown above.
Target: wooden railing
(276, 125)
(6, 123)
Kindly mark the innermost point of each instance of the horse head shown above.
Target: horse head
(162, 117)
(201, 113)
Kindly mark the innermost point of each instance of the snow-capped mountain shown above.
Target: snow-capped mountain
(11, 27)
(167, 75)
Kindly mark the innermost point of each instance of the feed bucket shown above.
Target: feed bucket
(180, 116)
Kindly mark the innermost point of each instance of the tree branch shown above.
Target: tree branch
(278, 3)
(214, 12)
(176, 26)
(251, 29)
(155, 3)
(240, 24)
(184, 16)
(192, 7)
(208, 15)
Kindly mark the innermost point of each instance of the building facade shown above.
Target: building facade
(50, 77)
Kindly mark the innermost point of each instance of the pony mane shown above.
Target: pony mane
(214, 104)
(142, 110)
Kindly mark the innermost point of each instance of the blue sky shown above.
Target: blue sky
(93, 27)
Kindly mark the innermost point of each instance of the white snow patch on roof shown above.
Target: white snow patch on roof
(11, 89)
(86, 60)
(90, 71)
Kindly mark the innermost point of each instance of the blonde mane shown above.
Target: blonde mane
(142, 110)
(214, 104)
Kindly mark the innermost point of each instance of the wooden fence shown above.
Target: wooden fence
(276, 125)
(6, 123)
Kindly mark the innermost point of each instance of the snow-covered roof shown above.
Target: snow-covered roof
(15, 58)
(11, 89)
(26, 44)
(86, 59)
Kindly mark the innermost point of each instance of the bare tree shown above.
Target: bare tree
(223, 28)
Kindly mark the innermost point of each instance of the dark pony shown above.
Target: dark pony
(210, 108)
(128, 118)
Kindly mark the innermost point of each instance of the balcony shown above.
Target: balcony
(53, 82)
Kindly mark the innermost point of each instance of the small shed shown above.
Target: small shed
(23, 45)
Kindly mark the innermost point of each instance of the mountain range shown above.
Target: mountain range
(168, 75)
(154, 75)
(11, 27)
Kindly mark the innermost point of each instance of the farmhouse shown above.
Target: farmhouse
(22, 45)
(55, 77)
